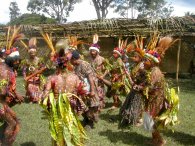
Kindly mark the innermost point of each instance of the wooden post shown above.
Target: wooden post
(178, 57)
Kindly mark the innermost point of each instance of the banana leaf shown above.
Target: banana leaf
(65, 128)
(169, 116)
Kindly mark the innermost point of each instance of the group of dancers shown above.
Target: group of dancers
(81, 83)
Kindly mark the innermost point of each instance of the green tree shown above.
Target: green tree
(154, 9)
(123, 6)
(189, 13)
(145, 8)
(32, 19)
(14, 11)
(57, 9)
(101, 7)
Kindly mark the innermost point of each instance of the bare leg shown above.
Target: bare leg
(116, 102)
(157, 139)
(12, 127)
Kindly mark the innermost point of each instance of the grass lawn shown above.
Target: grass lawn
(34, 130)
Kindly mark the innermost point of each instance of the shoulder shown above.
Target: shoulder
(85, 64)
(100, 58)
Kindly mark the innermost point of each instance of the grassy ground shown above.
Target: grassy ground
(34, 130)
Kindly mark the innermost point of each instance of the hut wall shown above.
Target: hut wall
(108, 43)
(169, 62)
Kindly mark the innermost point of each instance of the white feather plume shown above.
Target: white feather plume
(95, 38)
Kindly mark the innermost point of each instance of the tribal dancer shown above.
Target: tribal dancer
(161, 102)
(132, 108)
(30, 66)
(86, 74)
(9, 96)
(97, 63)
(120, 83)
(58, 94)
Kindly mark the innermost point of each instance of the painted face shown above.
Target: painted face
(32, 52)
(16, 64)
(93, 53)
(148, 64)
(116, 55)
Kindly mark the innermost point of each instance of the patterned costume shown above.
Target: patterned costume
(132, 108)
(74, 85)
(97, 63)
(160, 102)
(86, 74)
(120, 83)
(9, 97)
(30, 66)
(58, 103)
(82, 71)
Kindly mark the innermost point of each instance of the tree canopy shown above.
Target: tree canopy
(14, 11)
(57, 9)
(32, 19)
(145, 8)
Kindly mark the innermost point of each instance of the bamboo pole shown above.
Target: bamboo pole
(178, 58)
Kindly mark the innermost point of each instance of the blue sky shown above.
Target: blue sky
(81, 13)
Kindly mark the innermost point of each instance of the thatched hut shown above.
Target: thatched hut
(110, 29)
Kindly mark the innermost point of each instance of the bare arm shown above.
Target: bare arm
(106, 82)
(48, 87)
(92, 84)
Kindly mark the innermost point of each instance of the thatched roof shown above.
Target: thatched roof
(115, 27)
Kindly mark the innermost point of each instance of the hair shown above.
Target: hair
(61, 52)
(75, 55)
(10, 60)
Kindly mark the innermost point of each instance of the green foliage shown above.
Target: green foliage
(189, 13)
(14, 11)
(146, 8)
(3, 84)
(154, 9)
(32, 19)
(170, 115)
(65, 128)
(123, 6)
(57, 9)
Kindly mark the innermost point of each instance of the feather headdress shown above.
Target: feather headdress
(122, 44)
(163, 45)
(32, 43)
(136, 46)
(95, 45)
(74, 42)
(157, 47)
(48, 40)
(13, 35)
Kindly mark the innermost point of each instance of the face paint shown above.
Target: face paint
(93, 53)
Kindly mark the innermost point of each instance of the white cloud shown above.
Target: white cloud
(181, 10)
